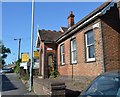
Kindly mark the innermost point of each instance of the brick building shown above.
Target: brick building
(48, 50)
(87, 48)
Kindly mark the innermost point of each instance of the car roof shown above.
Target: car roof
(115, 73)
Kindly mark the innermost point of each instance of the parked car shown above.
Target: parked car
(105, 85)
(6, 70)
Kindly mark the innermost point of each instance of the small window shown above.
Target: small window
(90, 51)
(62, 54)
(73, 51)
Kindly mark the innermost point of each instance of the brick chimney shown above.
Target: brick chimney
(70, 19)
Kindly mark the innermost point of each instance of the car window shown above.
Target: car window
(104, 85)
(118, 93)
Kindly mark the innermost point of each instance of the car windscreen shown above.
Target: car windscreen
(105, 85)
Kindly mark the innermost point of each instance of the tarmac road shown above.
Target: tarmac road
(12, 85)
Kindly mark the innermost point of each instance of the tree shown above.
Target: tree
(3, 53)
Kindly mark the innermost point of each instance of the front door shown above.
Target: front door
(50, 64)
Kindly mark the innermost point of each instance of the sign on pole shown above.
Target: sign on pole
(25, 57)
(36, 54)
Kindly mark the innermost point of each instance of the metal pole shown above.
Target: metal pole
(32, 38)
(19, 44)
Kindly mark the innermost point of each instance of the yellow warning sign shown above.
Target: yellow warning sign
(36, 54)
(25, 57)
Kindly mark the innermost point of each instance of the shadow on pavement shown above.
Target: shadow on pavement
(22, 96)
(7, 84)
(70, 93)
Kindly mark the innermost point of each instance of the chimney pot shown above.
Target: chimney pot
(71, 12)
(70, 19)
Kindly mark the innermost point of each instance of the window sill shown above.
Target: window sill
(75, 62)
(91, 60)
(62, 64)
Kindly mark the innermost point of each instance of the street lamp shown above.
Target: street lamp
(32, 40)
(19, 44)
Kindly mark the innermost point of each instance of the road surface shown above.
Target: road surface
(12, 85)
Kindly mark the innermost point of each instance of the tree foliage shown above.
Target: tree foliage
(4, 51)
(17, 67)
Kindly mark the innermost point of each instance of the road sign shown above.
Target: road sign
(36, 54)
(25, 57)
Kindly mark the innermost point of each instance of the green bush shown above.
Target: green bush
(17, 67)
(26, 77)
(54, 73)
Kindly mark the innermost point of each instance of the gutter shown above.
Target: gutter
(102, 12)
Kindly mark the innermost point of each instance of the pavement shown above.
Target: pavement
(12, 85)
(73, 87)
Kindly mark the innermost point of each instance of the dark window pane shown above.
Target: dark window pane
(90, 38)
(74, 44)
(62, 49)
(62, 54)
(73, 50)
(63, 59)
(91, 51)
(74, 55)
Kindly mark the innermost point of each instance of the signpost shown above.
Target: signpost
(25, 57)
(36, 54)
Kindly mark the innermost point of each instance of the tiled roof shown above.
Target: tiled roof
(64, 28)
(48, 35)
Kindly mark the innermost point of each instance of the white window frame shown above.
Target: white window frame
(73, 50)
(88, 59)
(62, 54)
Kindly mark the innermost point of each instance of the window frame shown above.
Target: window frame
(62, 54)
(72, 51)
(87, 46)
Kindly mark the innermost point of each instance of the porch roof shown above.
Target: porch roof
(48, 35)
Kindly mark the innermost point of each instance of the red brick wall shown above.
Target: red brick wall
(47, 52)
(107, 48)
(82, 68)
(111, 38)
(43, 70)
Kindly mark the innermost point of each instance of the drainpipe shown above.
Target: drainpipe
(118, 6)
(102, 43)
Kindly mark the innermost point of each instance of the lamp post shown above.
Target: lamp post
(32, 40)
(19, 44)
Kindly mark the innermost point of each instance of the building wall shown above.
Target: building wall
(41, 64)
(82, 68)
(111, 38)
(107, 48)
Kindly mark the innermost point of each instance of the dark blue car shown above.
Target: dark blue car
(6, 70)
(105, 85)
